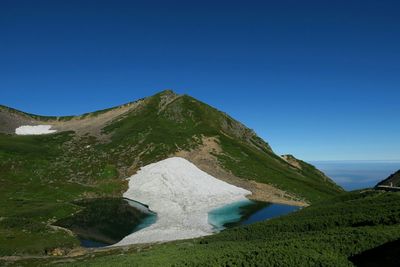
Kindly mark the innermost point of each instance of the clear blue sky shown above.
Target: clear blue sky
(318, 79)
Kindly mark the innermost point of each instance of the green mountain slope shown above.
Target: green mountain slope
(392, 180)
(88, 156)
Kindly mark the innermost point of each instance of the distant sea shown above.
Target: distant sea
(352, 175)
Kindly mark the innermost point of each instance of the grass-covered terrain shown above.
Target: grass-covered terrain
(265, 167)
(328, 233)
(42, 176)
(392, 180)
(384, 255)
(36, 190)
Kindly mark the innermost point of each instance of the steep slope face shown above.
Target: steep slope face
(89, 154)
(310, 171)
(393, 180)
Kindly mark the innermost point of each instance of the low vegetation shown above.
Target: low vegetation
(330, 233)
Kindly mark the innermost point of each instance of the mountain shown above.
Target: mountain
(393, 180)
(89, 155)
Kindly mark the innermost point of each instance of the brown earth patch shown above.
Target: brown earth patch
(91, 124)
(203, 157)
(293, 162)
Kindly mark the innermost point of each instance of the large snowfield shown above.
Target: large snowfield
(34, 130)
(182, 195)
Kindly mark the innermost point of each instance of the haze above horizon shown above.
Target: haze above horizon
(315, 79)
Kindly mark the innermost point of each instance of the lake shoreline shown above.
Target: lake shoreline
(181, 195)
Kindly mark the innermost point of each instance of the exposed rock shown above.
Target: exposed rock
(58, 252)
(292, 161)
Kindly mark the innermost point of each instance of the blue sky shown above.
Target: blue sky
(318, 79)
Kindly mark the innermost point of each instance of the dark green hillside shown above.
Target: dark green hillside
(392, 180)
(334, 232)
(384, 255)
(42, 176)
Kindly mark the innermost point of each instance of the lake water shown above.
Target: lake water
(353, 175)
(105, 221)
(246, 212)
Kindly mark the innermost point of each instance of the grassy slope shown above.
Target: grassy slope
(392, 180)
(41, 175)
(35, 191)
(325, 234)
(187, 118)
(27, 200)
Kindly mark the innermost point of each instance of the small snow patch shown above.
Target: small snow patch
(34, 130)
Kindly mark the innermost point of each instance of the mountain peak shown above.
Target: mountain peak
(167, 92)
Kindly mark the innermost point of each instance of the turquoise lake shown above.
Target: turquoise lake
(246, 212)
(106, 221)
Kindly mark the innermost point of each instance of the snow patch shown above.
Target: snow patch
(34, 130)
(182, 195)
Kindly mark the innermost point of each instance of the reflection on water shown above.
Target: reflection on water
(105, 221)
(91, 244)
(268, 212)
(246, 212)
